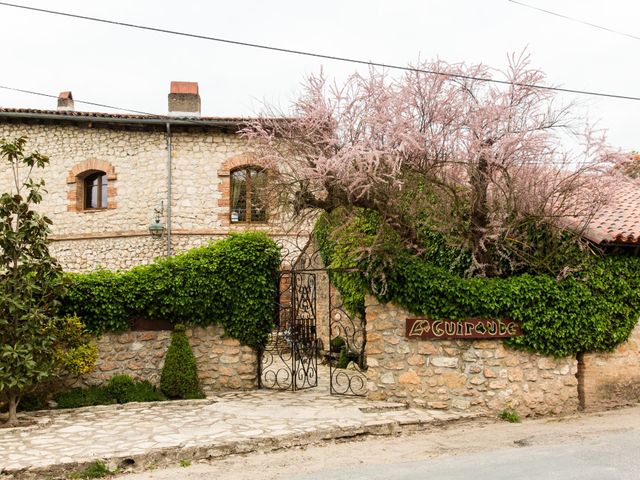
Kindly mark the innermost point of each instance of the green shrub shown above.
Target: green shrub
(179, 377)
(119, 387)
(343, 359)
(143, 392)
(32, 402)
(231, 282)
(83, 397)
(336, 344)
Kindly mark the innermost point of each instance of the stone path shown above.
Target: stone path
(227, 423)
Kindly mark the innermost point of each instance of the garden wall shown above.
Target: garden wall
(613, 379)
(223, 363)
(473, 375)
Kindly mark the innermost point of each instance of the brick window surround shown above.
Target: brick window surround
(75, 182)
(224, 187)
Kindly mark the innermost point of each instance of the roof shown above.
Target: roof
(618, 222)
(62, 115)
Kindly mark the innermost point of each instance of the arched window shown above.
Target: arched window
(248, 195)
(95, 190)
(92, 186)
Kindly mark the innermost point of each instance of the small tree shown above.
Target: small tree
(179, 378)
(30, 282)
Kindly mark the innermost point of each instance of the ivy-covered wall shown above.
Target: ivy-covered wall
(592, 307)
(231, 283)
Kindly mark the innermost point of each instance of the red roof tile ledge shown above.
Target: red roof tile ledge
(618, 222)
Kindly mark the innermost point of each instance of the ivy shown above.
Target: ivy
(594, 308)
(231, 282)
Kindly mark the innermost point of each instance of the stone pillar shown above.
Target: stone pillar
(613, 379)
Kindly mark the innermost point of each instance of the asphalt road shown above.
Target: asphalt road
(591, 446)
(604, 458)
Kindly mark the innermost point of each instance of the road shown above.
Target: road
(596, 446)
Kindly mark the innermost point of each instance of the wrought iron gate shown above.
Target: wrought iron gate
(312, 325)
(347, 340)
(289, 360)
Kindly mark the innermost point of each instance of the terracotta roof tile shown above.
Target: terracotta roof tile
(62, 113)
(619, 220)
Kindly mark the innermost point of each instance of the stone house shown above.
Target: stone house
(124, 189)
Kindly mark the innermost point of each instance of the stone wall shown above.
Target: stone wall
(124, 252)
(118, 237)
(613, 379)
(222, 362)
(474, 375)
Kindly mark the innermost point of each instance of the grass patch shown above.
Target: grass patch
(97, 469)
(510, 415)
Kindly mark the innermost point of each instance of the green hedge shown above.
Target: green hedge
(593, 309)
(231, 282)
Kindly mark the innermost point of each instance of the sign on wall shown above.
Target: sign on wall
(421, 328)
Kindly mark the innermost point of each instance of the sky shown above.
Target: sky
(132, 69)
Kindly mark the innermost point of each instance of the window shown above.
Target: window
(95, 191)
(248, 195)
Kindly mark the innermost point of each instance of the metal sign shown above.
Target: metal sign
(422, 328)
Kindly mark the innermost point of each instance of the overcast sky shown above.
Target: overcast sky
(132, 69)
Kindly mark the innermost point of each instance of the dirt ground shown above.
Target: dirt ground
(457, 439)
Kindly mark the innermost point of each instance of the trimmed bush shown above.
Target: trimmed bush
(179, 377)
(83, 397)
(119, 386)
(119, 389)
(231, 282)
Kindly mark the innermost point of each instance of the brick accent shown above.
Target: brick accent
(75, 184)
(224, 187)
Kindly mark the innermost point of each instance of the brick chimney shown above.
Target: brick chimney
(184, 99)
(65, 102)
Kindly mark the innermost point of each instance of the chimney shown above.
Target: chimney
(65, 102)
(184, 100)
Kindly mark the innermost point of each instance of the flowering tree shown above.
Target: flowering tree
(480, 162)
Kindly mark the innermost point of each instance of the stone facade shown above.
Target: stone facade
(134, 159)
(612, 379)
(475, 375)
(222, 362)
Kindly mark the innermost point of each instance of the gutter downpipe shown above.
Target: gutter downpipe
(169, 181)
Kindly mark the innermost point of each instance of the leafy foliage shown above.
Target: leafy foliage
(179, 378)
(509, 415)
(231, 282)
(592, 307)
(83, 397)
(119, 389)
(75, 353)
(30, 281)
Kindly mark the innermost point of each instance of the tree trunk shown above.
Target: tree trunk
(13, 410)
(480, 217)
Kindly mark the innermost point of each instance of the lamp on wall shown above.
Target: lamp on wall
(156, 227)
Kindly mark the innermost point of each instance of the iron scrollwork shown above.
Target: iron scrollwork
(290, 359)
